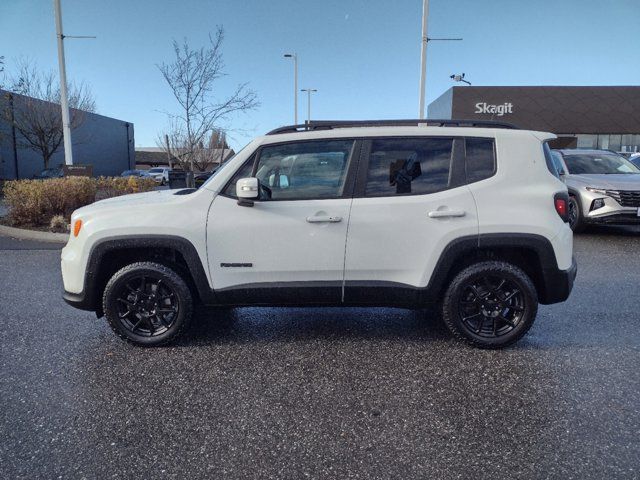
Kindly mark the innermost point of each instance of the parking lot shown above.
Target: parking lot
(323, 393)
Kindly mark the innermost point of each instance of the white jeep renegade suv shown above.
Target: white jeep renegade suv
(469, 215)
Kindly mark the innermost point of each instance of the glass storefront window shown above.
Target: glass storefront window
(603, 142)
(630, 143)
(587, 141)
(615, 141)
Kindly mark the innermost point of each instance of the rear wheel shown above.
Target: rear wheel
(576, 222)
(490, 304)
(147, 304)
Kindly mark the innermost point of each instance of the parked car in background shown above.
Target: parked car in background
(160, 174)
(388, 213)
(604, 187)
(56, 172)
(135, 173)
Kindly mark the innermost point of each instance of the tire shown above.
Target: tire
(576, 220)
(147, 304)
(490, 304)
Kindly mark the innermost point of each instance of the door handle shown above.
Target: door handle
(323, 219)
(446, 213)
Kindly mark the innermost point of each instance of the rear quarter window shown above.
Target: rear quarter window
(548, 157)
(480, 154)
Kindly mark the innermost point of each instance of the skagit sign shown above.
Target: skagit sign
(493, 109)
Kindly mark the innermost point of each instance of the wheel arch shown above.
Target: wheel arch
(109, 255)
(532, 253)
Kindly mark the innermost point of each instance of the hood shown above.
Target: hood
(157, 196)
(629, 181)
(154, 198)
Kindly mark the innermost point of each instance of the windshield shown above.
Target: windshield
(222, 166)
(156, 170)
(599, 163)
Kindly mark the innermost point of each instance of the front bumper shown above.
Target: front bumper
(78, 300)
(623, 217)
(558, 284)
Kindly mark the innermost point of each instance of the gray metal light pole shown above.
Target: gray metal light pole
(64, 101)
(423, 55)
(295, 85)
(309, 92)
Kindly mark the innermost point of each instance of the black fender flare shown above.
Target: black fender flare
(88, 298)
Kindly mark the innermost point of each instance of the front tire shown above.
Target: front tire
(490, 304)
(147, 304)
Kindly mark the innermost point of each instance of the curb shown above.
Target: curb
(25, 234)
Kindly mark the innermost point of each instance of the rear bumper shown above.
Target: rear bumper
(558, 284)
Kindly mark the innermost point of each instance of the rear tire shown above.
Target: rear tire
(147, 304)
(490, 304)
(576, 220)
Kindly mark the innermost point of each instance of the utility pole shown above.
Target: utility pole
(295, 85)
(64, 96)
(309, 92)
(423, 55)
(64, 100)
(166, 141)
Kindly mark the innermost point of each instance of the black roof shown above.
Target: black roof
(331, 124)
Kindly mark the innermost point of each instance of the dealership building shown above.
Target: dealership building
(582, 117)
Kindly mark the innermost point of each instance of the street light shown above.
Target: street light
(295, 85)
(423, 54)
(309, 92)
(64, 98)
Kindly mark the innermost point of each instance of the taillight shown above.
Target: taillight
(561, 202)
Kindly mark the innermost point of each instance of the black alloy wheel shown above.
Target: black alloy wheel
(147, 303)
(490, 304)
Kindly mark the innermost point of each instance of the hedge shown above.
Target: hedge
(36, 202)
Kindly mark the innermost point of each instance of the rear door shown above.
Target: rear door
(411, 200)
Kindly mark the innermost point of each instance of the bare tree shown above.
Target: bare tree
(191, 76)
(36, 114)
(209, 152)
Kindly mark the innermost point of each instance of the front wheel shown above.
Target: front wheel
(148, 304)
(576, 222)
(490, 304)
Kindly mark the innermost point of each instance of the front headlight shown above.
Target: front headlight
(599, 191)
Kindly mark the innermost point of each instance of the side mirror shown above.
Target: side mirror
(247, 190)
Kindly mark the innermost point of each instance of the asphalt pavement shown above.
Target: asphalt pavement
(322, 393)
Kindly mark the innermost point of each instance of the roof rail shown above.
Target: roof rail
(331, 124)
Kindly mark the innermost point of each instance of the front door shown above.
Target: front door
(288, 248)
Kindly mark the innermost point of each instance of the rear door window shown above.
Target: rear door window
(408, 166)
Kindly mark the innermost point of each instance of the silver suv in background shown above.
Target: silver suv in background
(604, 187)
(160, 174)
